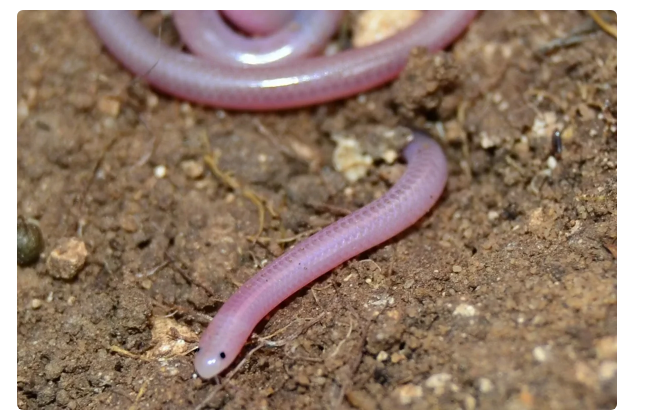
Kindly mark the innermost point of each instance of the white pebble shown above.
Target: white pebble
(540, 353)
(185, 108)
(607, 370)
(160, 171)
(438, 380)
(408, 393)
(484, 385)
(465, 310)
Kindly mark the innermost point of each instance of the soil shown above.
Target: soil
(503, 297)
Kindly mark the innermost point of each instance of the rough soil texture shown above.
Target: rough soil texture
(503, 297)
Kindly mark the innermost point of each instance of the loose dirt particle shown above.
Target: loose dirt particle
(469, 402)
(349, 159)
(109, 106)
(160, 171)
(375, 25)
(406, 394)
(170, 338)
(438, 382)
(23, 111)
(540, 353)
(192, 169)
(67, 258)
(607, 370)
(607, 347)
(465, 310)
(360, 399)
(484, 385)
(128, 223)
(585, 375)
(302, 379)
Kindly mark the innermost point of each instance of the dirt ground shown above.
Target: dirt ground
(503, 297)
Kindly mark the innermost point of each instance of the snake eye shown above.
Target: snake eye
(222, 355)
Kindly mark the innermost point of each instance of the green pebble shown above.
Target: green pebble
(30, 242)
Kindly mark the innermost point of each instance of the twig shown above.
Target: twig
(603, 23)
(350, 330)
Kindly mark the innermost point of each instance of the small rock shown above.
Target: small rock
(62, 398)
(526, 398)
(536, 223)
(585, 375)
(160, 171)
(81, 101)
(607, 347)
(36, 303)
(169, 337)
(266, 392)
(185, 108)
(484, 385)
(23, 111)
(382, 356)
(46, 395)
(391, 173)
(465, 310)
(361, 400)
(349, 159)
(375, 25)
(302, 379)
(470, 402)
(318, 380)
(488, 142)
(53, 369)
(192, 169)
(67, 258)
(607, 370)
(408, 393)
(586, 112)
(128, 223)
(390, 156)
(453, 131)
(438, 382)
(457, 268)
(109, 106)
(152, 101)
(540, 353)
(397, 357)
